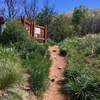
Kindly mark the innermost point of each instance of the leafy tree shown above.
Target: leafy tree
(90, 25)
(61, 28)
(78, 14)
(45, 16)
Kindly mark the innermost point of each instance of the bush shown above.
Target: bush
(30, 46)
(10, 68)
(38, 67)
(8, 74)
(36, 61)
(97, 49)
(83, 71)
(14, 32)
(61, 28)
(49, 42)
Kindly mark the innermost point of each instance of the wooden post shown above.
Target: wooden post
(23, 20)
(45, 32)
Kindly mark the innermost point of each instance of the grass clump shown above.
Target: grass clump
(83, 70)
(37, 63)
(10, 68)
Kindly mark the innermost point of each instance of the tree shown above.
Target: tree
(90, 24)
(11, 8)
(78, 14)
(30, 9)
(61, 28)
(45, 16)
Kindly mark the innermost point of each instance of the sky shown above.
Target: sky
(63, 6)
(66, 6)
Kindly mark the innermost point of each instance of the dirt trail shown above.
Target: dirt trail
(56, 76)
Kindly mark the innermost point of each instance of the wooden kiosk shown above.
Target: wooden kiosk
(35, 31)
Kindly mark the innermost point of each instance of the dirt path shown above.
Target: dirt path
(56, 76)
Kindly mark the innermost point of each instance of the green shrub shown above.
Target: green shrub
(30, 46)
(83, 71)
(35, 58)
(38, 67)
(97, 49)
(61, 28)
(8, 74)
(10, 68)
(14, 32)
(49, 42)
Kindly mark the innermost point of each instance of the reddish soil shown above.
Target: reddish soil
(56, 76)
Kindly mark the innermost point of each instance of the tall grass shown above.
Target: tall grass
(38, 67)
(10, 68)
(36, 62)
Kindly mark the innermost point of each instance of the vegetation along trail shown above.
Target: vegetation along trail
(56, 76)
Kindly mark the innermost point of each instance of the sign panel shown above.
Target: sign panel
(37, 31)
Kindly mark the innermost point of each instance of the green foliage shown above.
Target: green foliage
(49, 42)
(30, 46)
(83, 71)
(38, 67)
(35, 59)
(45, 16)
(78, 15)
(61, 28)
(14, 32)
(90, 24)
(22, 51)
(10, 68)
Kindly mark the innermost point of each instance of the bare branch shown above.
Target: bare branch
(11, 7)
(30, 9)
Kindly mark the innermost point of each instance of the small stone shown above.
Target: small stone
(59, 67)
(27, 88)
(54, 50)
(52, 80)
